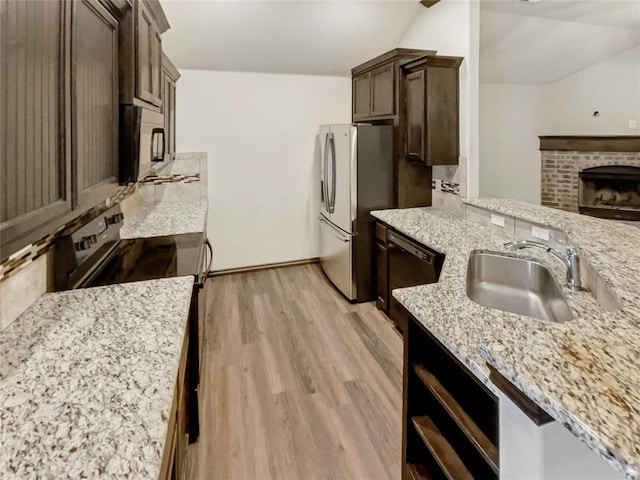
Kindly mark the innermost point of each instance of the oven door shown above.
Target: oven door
(201, 293)
(197, 326)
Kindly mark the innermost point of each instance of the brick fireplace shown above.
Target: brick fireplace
(564, 158)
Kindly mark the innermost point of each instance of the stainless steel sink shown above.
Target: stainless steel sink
(516, 285)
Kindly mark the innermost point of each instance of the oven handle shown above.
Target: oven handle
(210, 249)
(203, 274)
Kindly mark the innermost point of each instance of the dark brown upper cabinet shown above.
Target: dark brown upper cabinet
(94, 102)
(170, 76)
(148, 56)
(375, 89)
(362, 96)
(35, 182)
(59, 123)
(431, 95)
(415, 97)
(140, 53)
(382, 91)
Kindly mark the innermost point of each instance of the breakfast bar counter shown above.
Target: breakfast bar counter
(583, 373)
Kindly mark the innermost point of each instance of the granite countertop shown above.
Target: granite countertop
(584, 373)
(87, 381)
(165, 218)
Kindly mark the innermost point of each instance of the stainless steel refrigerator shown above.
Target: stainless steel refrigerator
(356, 177)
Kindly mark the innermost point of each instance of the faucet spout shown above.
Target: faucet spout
(571, 259)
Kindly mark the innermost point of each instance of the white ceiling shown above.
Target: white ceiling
(608, 13)
(538, 43)
(301, 37)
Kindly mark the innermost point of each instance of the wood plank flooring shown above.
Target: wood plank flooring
(297, 383)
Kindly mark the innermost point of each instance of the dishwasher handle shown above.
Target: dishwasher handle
(423, 254)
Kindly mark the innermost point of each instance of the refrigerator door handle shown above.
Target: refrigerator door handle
(332, 199)
(325, 180)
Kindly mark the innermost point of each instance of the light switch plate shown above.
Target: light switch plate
(541, 233)
(497, 220)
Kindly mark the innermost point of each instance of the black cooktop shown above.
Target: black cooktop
(150, 258)
(94, 255)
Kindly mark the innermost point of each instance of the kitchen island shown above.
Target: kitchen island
(583, 373)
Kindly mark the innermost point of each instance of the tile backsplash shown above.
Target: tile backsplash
(447, 178)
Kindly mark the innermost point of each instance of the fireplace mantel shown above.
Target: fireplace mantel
(573, 143)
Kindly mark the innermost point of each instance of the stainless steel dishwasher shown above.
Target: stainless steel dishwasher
(410, 264)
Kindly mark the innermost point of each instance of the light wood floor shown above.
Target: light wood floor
(297, 382)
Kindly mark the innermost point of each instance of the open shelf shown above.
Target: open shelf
(443, 453)
(450, 418)
(418, 472)
(476, 436)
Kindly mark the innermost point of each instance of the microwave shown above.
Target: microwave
(141, 144)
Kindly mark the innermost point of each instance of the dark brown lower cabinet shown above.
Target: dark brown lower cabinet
(450, 419)
(382, 273)
(175, 449)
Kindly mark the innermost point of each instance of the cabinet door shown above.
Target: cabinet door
(362, 95)
(34, 186)
(382, 91)
(442, 116)
(382, 300)
(94, 76)
(166, 110)
(156, 66)
(415, 107)
(169, 112)
(148, 56)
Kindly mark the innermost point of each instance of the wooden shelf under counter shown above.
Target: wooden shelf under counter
(450, 418)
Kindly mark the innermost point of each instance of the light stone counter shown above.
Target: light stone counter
(87, 381)
(165, 218)
(584, 373)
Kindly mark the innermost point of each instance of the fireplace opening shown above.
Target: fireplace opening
(611, 191)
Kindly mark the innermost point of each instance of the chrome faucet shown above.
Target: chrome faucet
(571, 260)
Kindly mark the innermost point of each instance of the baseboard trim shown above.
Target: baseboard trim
(255, 268)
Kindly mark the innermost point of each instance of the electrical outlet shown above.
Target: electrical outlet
(541, 233)
(497, 220)
(633, 124)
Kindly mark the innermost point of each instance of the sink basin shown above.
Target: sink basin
(515, 285)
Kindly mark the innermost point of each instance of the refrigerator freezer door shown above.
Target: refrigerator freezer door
(336, 250)
(323, 139)
(342, 176)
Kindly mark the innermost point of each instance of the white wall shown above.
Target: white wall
(611, 87)
(260, 133)
(513, 116)
(509, 155)
(452, 28)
